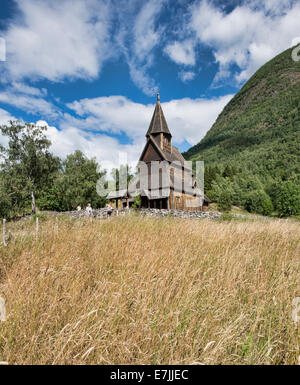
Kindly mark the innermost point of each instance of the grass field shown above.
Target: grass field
(150, 291)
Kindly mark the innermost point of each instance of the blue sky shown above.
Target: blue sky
(90, 69)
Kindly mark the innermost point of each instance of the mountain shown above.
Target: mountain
(257, 135)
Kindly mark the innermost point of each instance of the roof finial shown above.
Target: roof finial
(158, 97)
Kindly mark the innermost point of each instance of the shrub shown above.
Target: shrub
(287, 199)
(137, 201)
(224, 201)
(259, 202)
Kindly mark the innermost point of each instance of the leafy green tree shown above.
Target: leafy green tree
(224, 201)
(259, 202)
(51, 199)
(77, 183)
(228, 172)
(27, 166)
(288, 198)
(267, 207)
(219, 186)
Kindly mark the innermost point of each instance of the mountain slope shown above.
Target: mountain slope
(260, 127)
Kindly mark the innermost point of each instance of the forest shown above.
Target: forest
(252, 152)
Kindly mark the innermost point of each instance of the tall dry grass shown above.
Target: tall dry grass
(151, 291)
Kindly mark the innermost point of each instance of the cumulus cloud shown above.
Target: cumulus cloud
(107, 150)
(248, 36)
(244, 38)
(182, 52)
(114, 114)
(58, 39)
(91, 132)
(95, 128)
(188, 119)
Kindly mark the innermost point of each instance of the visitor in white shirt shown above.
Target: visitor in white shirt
(89, 210)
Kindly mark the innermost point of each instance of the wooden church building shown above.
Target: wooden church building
(163, 180)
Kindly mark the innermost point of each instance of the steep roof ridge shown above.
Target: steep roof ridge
(158, 122)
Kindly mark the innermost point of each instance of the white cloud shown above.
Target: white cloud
(5, 117)
(104, 148)
(113, 114)
(272, 7)
(248, 36)
(295, 41)
(182, 52)
(28, 90)
(2, 49)
(137, 39)
(188, 119)
(146, 37)
(186, 76)
(100, 118)
(28, 103)
(58, 39)
(141, 79)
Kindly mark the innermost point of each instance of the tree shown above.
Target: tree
(224, 201)
(259, 202)
(27, 166)
(228, 172)
(287, 200)
(77, 182)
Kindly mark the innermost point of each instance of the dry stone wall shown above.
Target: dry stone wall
(102, 213)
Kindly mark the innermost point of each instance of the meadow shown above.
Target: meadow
(134, 290)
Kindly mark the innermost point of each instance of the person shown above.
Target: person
(109, 210)
(78, 208)
(89, 210)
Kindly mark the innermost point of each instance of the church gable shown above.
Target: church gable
(151, 153)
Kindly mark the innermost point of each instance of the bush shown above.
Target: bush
(137, 201)
(224, 201)
(287, 199)
(258, 202)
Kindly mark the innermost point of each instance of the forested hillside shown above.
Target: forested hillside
(252, 152)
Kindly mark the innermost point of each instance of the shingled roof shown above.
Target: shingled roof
(158, 122)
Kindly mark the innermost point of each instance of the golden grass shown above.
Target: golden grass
(151, 291)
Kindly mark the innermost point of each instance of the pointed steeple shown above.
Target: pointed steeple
(158, 122)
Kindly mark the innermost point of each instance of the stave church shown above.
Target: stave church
(164, 180)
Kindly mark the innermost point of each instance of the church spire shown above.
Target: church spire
(158, 122)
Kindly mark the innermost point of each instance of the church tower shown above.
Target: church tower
(159, 130)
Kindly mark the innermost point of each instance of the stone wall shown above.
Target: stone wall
(97, 213)
(102, 213)
(180, 214)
